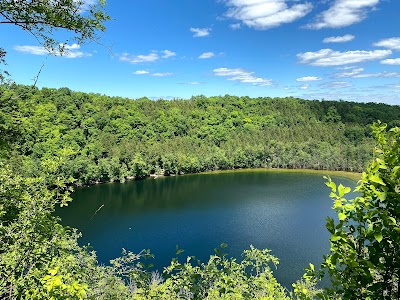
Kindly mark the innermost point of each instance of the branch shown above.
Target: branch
(24, 22)
(37, 76)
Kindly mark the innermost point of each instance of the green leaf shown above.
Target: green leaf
(179, 251)
(223, 245)
(343, 190)
(335, 238)
(378, 236)
(376, 179)
(342, 216)
(332, 185)
(312, 267)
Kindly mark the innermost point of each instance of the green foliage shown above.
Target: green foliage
(44, 18)
(54, 139)
(365, 244)
(219, 278)
(113, 139)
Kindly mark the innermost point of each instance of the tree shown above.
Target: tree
(44, 19)
(365, 244)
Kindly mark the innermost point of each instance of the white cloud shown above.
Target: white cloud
(168, 53)
(146, 58)
(201, 32)
(85, 4)
(207, 55)
(235, 26)
(335, 85)
(266, 14)
(190, 83)
(134, 59)
(344, 13)
(158, 74)
(346, 68)
(70, 51)
(329, 57)
(36, 50)
(305, 87)
(353, 72)
(392, 43)
(308, 78)
(378, 75)
(162, 74)
(390, 86)
(339, 39)
(141, 72)
(242, 76)
(358, 73)
(391, 61)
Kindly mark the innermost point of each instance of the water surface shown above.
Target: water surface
(284, 212)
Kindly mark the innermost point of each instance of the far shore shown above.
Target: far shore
(349, 175)
(344, 174)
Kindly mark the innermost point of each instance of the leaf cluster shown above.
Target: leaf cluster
(44, 19)
(364, 258)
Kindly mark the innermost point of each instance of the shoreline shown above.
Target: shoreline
(344, 174)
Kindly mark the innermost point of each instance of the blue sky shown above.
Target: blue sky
(325, 49)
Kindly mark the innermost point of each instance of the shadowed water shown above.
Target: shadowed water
(284, 212)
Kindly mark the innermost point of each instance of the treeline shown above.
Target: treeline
(96, 138)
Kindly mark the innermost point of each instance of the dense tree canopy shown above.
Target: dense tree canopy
(111, 138)
(53, 139)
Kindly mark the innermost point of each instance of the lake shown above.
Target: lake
(284, 212)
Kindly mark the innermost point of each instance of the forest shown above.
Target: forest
(96, 138)
(55, 139)
(52, 140)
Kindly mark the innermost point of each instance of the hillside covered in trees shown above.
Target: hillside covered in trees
(51, 138)
(101, 138)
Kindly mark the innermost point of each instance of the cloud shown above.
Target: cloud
(266, 14)
(153, 56)
(358, 73)
(339, 39)
(207, 55)
(353, 72)
(344, 13)
(378, 75)
(134, 59)
(70, 51)
(168, 53)
(346, 68)
(35, 50)
(392, 43)
(190, 83)
(162, 74)
(329, 57)
(391, 61)
(242, 76)
(335, 85)
(201, 32)
(390, 86)
(85, 5)
(158, 74)
(235, 26)
(305, 87)
(141, 72)
(308, 78)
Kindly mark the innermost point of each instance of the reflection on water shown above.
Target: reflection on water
(284, 212)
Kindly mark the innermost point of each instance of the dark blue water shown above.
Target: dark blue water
(284, 212)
